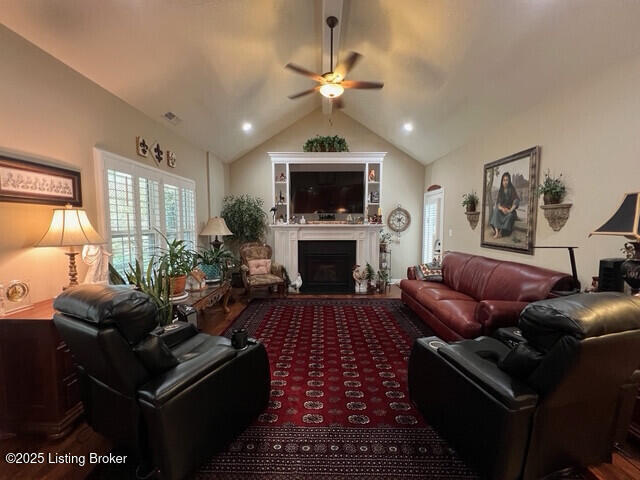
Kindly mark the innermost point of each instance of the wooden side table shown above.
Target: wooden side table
(40, 391)
(202, 299)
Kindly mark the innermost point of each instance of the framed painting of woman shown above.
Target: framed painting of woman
(509, 202)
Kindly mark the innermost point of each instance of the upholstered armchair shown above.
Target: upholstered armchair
(258, 270)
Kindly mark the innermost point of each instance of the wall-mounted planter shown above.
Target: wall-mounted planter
(472, 218)
(556, 214)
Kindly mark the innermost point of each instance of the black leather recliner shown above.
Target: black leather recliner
(556, 394)
(171, 400)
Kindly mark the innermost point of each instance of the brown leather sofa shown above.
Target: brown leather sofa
(478, 295)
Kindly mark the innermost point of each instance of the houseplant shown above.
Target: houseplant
(552, 189)
(370, 276)
(383, 280)
(215, 262)
(470, 201)
(325, 144)
(155, 282)
(245, 217)
(179, 260)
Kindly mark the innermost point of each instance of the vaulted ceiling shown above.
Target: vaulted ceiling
(453, 68)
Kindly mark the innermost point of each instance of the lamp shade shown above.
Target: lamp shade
(216, 226)
(70, 227)
(624, 221)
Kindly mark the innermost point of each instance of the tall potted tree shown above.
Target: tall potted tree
(245, 217)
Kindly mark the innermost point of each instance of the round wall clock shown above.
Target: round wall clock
(399, 220)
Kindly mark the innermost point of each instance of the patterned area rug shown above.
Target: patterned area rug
(339, 404)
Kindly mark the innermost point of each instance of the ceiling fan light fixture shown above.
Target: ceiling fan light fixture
(331, 90)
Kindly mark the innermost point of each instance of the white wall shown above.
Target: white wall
(402, 175)
(589, 133)
(48, 110)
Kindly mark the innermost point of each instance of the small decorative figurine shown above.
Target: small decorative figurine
(281, 197)
(303, 220)
(282, 177)
(372, 175)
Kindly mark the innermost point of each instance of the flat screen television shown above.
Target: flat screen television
(327, 192)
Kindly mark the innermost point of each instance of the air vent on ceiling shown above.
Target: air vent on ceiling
(172, 117)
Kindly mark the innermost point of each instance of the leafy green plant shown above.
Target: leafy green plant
(552, 188)
(325, 144)
(370, 273)
(245, 217)
(179, 259)
(222, 258)
(470, 201)
(155, 282)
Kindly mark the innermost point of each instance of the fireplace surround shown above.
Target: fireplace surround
(326, 265)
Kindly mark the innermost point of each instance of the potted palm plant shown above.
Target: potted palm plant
(370, 276)
(179, 260)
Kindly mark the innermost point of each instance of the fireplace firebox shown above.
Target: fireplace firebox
(326, 265)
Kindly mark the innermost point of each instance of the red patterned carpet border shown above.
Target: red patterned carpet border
(339, 404)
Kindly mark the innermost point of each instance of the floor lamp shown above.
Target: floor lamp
(625, 222)
(70, 227)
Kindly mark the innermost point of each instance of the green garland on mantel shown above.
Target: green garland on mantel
(325, 144)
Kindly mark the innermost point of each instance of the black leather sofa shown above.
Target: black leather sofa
(555, 394)
(171, 400)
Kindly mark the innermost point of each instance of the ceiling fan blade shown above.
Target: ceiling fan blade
(347, 64)
(305, 72)
(337, 102)
(302, 94)
(359, 84)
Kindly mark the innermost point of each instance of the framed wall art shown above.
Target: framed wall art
(30, 182)
(509, 202)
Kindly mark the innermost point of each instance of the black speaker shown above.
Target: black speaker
(610, 277)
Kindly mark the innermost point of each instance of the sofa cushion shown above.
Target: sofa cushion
(412, 287)
(452, 268)
(262, 280)
(427, 296)
(458, 315)
(475, 276)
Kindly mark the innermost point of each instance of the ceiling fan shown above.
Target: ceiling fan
(332, 84)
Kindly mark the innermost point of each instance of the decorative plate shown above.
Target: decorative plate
(16, 291)
(399, 220)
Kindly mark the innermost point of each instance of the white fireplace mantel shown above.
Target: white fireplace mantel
(287, 236)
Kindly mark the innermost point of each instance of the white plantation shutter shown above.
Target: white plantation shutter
(122, 207)
(140, 201)
(431, 223)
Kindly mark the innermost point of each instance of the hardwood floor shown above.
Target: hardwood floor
(83, 440)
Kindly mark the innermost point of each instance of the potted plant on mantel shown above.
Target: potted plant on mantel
(179, 261)
(470, 203)
(325, 144)
(553, 191)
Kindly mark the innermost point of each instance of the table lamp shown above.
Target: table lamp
(216, 226)
(70, 227)
(624, 222)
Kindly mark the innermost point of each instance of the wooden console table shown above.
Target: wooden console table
(40, 391)
(200, 300)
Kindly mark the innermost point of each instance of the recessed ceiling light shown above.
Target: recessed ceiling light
(246, 126)
(408, 127)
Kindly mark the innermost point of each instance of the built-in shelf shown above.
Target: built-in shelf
(283, 162)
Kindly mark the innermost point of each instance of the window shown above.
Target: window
(140, 202)
(432, 224)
